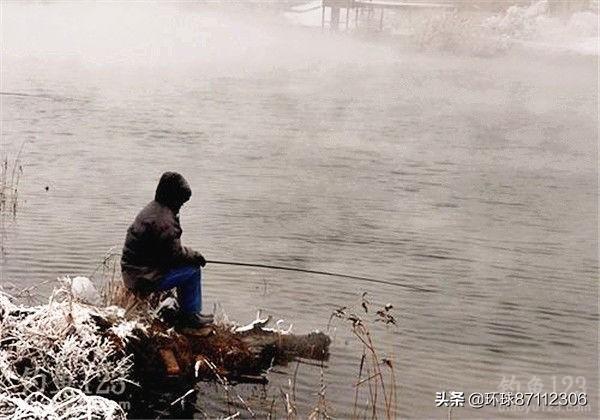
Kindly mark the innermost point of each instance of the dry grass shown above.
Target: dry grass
(375, 387)
(112, 290)
(376, 378)
(10, 175)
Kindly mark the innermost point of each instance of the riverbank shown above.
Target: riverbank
(75, 356)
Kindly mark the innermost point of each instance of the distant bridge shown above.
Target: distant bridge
(335, 7)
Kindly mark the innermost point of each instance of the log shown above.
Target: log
(170, 362)
(242, 354)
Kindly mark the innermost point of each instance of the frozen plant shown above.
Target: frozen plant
(52, 355)
(68, 403)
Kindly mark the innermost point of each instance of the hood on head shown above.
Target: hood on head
(172, 190)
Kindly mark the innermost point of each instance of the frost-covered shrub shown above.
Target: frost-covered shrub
(534, 21)
(462, 32)
(459, 33)
(52, 346)
(583, 24)
(68, 403)
(48, 349)
(518, 21)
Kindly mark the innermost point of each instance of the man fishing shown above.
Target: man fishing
(153, 258)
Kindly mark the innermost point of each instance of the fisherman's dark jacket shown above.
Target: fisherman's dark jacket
(153, 242)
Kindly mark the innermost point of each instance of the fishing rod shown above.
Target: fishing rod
(322, 273)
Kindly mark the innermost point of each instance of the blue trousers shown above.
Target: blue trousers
(189, 292)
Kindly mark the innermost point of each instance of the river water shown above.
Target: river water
(472, 178)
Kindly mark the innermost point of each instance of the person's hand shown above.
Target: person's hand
(201, 260)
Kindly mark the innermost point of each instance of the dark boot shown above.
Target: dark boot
(195, 321)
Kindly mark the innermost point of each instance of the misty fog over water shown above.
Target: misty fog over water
(473, 178)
